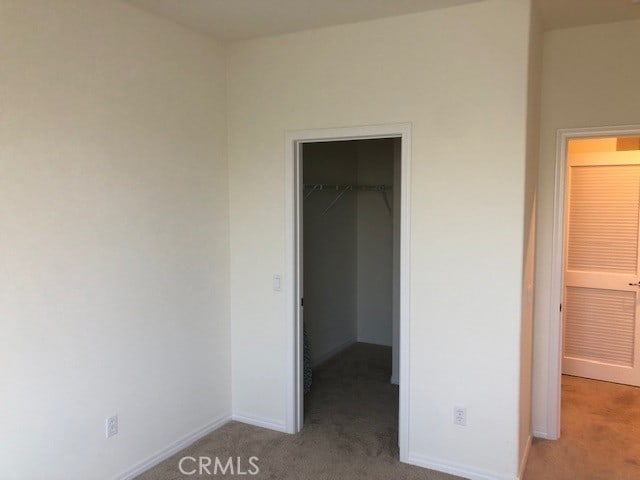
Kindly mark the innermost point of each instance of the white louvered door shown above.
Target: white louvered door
(601, 303)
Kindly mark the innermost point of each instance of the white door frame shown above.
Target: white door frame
(293, 195)
(554, 378)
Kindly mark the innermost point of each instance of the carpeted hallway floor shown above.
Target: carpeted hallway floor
(350, 430)
(600, 437)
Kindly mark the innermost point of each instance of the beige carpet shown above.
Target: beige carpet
(350, 430)
(600, 437)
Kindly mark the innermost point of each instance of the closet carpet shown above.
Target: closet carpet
(600, 436)
(350, 430)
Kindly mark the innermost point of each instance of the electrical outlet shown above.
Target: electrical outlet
(460, 416)
(111, 425)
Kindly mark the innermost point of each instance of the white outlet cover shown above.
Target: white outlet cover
(460, 416)
(111, 426)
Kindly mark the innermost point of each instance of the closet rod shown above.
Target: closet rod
(342, 189)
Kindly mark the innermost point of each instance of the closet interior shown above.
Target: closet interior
(350, 229)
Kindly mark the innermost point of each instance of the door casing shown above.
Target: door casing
(292, 281)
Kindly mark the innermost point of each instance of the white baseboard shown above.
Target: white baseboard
(543, 435)
(373, 342)
(525, 457)
(333, 352)
(174, 448)
(464, 471)
(259, 422)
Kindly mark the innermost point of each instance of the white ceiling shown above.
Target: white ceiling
(572, 13)
(242, 19)
(230, 20)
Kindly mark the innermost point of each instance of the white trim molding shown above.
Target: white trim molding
(457, 469)
(259, 422)
(293, 146)
(554, 375)
(542, 435)
(333, 352)
(174, 448)
(525, 458)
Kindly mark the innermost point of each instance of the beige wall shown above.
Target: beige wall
(459, 76)
(590, 79)
(113, 205)
(330, 250)
(395, 295)
(530, 202)
(375, 243)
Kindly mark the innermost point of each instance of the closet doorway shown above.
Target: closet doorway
(348, 232)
